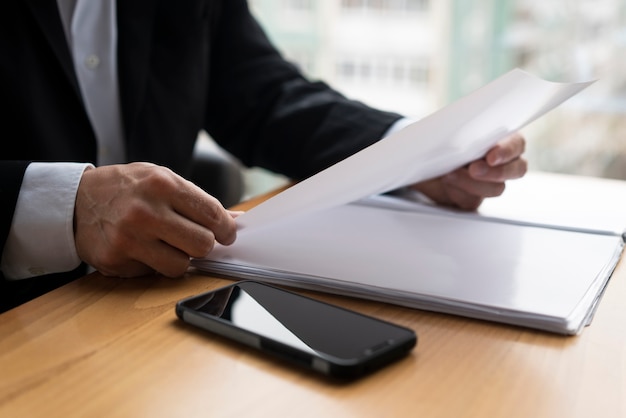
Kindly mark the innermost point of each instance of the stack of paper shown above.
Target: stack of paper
(335, 232)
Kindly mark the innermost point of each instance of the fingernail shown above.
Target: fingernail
(236, 213)
(497, 160)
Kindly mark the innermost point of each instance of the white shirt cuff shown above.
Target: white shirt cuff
(41, 238)
(398, 125)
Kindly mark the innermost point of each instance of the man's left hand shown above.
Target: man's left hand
(468, 186)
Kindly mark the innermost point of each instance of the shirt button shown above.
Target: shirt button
(92, 61)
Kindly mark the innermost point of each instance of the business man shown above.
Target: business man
(88, 86)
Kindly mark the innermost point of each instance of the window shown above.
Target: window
(416, 56)
(298, 5)
(385, 6)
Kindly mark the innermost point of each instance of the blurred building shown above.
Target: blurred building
(415, 56)
(577, 40)
(379, 52)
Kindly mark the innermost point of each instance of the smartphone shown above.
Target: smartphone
(322, 337)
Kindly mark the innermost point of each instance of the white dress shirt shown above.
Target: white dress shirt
(42, 241)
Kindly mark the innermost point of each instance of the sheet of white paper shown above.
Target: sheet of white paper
(573, 202)
(435, 145)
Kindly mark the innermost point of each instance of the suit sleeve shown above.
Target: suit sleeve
(265, 112)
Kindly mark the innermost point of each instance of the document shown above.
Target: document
(341, 233)
(449, 138)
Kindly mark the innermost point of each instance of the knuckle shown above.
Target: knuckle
(203, 244)
(160, 180)
(215, 211)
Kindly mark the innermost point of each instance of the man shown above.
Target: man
(100, 83)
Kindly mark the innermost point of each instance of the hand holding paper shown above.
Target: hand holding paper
(468, 186)
(438, 144)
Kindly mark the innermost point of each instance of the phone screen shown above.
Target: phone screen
(326, 337)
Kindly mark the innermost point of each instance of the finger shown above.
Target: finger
(236, 213)
(461, 182)
(462, 199)
(131, 254)
(195, 204)
(506, 150)
(146, 225)
(480, 170)
(158, 256)
(189, 237)
(151, 224)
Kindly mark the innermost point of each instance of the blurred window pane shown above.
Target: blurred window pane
(415, 56)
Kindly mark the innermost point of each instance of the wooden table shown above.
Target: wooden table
(108, 347)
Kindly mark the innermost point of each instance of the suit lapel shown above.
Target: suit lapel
(135, 20)
(47, 15)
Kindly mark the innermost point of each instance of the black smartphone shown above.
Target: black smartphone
(328, 339)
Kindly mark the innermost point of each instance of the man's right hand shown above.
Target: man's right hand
(140, 218)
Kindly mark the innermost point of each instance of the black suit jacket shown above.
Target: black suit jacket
(183, 66)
